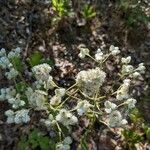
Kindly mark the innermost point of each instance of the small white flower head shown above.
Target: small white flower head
(42, 71)
(2, 94)
(67, 140)
(16, 102)
(22, 116)
(66, 118)
(109, 106)
(131, 103)
(7, 93)
(127, 82)
(17, 50)
(83, 52)
(60, 92)
(126, 60)
(4, 62)
(65, 144)
(11, 55)
(123, 91)
(141, 68)
(127, 69)
(10, 116)
(99, 56)
(10, 92)
(38, 84)
(9, 112)
(12, 74)
(14, 53)
(61, 146)
(136, 75)
(115, 119)
(90, 81)
(36, 98)
(2, 52)
(48, 122)
(114, 50)
(83, 107)
(55, 100)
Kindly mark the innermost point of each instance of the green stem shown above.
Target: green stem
(71, 87)
(66, 99)
(60, 131)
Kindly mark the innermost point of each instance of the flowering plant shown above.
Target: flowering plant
(94, 100)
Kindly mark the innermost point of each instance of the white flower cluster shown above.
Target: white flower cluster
(20, 116)
(56, 99)
(65, 144)
(90, 81)
(36, 98)
(42, 71)
(83, 107)
(11, 74)
(126, 60)
(131, 103)
(44, 94)
(5, 62)
(7, 93)
(49, 122)
(83, 52)
(114, 50)
(109, 106)
(123, 91)
(130, 70)
(116, 120)
(14, 53)
(16, 102)
(66, 118)
(99, 56)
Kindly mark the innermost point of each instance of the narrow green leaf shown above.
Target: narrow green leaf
(35, 58)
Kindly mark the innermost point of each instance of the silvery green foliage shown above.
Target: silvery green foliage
(91, 100)
(65, 144)
(20, 116)
(5, 62)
